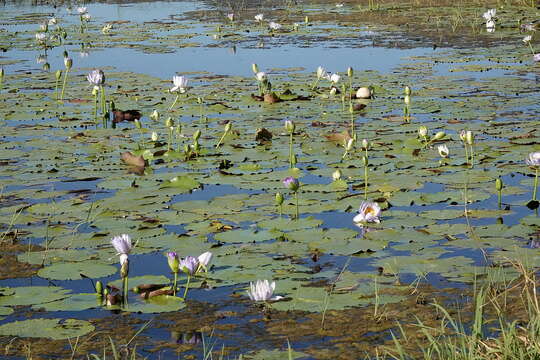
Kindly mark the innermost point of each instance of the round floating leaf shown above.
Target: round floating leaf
(76, 302)
(30, 295)
(182, 183)
(157, 304)
(73, 271)
(56, 329)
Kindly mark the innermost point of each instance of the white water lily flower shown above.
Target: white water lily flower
(363, 93)
(527, 39)
(490, 14)
(53, 21)
(368, 212)
(180, 84)
(40, 37)
(339, 5)
(443, 151)
(105, 29)
(230, 16)
(533, 159)
(86, 17)
(336, 175)
(82, 10)
(334, 78)
(122, 245)
(259, 17)
(261, 76)
(262, 290)
(321, 72)
(274, 25)
(536, 57)
(204, 260)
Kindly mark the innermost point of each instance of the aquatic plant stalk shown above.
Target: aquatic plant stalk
(64, 84)
(95, 106)
(535, 183)
(175, 282)
(365, 161)
(125, 289)
(175, 101)
(297, 216)
(187, 285)
(103, 105)
(291, 150)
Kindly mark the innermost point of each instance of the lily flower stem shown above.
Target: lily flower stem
(64, 84)
(499, 196)
(530, 47)
(95, 109)
(56, 89)
(535, 183)
(466, 154)
(187, 286)
(175, 101)
(344, 155)
(125, 289)
(174, 283)
(221, 140)
(103, 103)
(291, 150)
(365, 181)
(280, 210)
(315, 83)
(472, 156)
(353, 130)
(169, 142)
(296, 200)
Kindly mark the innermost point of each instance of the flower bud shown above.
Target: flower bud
(294, 159)
(137, 123)
(58, 74)
(350, 71)
(333, 91)
(336, 175)
(439, 135)
(279, 198)
(228, 127)
(289, 126)
(463, 135)
(196, 135)
(199, 100)
(95, 91)
(154, 115)
(68, 62)
(2, 73)
(255, 68)
(187, 149)
(306, 19)
(154, 136)
(365, 161)
(469, 137)
(422, 131)
(349, 144)
(173, 261)
(196, 147)
(407, 91)
(169, 122)
(499, 184)
(46, 66)
(407, 99)
(65, 54)
(365, 144)
(295, 26)
(99, 288)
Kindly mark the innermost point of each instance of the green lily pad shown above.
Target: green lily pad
(56, 329)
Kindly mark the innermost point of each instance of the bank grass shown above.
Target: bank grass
(505, 325)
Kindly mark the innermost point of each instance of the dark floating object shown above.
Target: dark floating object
(137, 163)
(128, 115)
(263, 135)
(533, 204)
(359, 107)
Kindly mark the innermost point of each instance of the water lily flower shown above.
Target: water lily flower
(154, 136)
(53, 21)
(291, 183)
(368, 212)
(289, 126)
(40, 37)
(443, 151)
(122, 245)
(204, 259)
(274, 25)
(96, 77)
(189, 265)
(336, 175)
(527, 39)
(334, 78)
(536, 57)
(154, 115)
(261, 76)
(533, 159)
(262, 290)
(180, 84)
(105, 29)
(339, 5)
(321, 72)
(68, 62)
(490, 26)
(259, 17)
(490, 14)
(86, 17)
(422, 131)
(230, 16)
(82, 10)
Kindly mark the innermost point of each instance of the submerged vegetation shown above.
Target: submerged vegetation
(384, 211)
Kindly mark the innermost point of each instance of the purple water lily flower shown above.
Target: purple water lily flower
(291, 183)
(189, 265)
(173, 261)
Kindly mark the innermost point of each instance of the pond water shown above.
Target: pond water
(66, 191)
